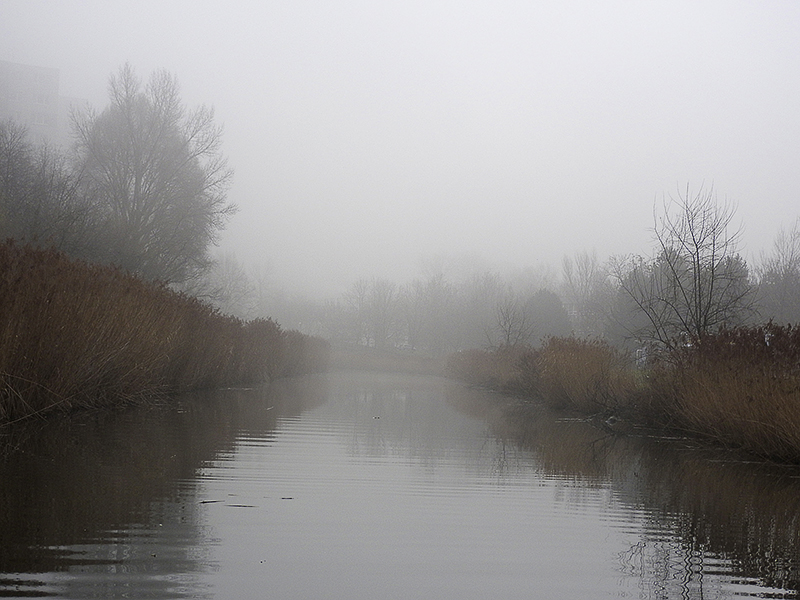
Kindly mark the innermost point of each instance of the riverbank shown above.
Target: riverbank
(738, 388)
(75, 335)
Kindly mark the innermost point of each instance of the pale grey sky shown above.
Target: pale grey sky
(366, 135)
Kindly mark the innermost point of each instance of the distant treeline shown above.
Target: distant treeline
(77, 335)
(694, 282)
(739, 387)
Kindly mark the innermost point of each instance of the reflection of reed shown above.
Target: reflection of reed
(83, 484)
(566, 445)
(705, 503)
(73, 481)
(747, 513)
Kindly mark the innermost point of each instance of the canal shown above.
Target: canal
(358, 486)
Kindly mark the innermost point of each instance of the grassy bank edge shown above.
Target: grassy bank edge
(738, 388)
(76, 335)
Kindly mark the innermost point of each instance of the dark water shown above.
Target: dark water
(355, 486)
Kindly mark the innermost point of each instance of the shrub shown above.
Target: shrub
(496, 369)
(79, 335)
(742, 387)
(739, 387)
(586, 375)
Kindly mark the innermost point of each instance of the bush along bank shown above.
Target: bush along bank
(76, 335)
(739, 387)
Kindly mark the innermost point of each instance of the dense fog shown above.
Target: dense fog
(409, 140)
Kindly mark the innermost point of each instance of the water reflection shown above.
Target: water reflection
(105, 505)
(706, 513)
(361, 485)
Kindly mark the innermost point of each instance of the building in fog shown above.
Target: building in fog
(29, 96)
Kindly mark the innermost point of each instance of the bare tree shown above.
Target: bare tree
(779, 278)
(40, 201)
(411, 302)
(381, 302)
(512, 325)
(157, 176)
(227, 286)
(357, 305)
(478, 298)
(546, 316)
(586, 292)
(372, 307)
(697, 282)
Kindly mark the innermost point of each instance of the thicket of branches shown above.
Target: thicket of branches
(144, 189)
(694, 283)
(725, 359)
(92, 247)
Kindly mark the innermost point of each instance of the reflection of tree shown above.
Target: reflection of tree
(86, 493)
(706, 517)
(748, 514)
(70, 482)
(398, 414)
(75, 493)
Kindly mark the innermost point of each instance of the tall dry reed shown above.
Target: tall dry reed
(738, 387)
(75, 335)
(742, 387)
(496, 369)
(586, 375)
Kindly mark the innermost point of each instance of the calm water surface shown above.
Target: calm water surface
(363, 486)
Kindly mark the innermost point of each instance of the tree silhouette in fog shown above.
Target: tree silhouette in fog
(40, 202)
(156, 175)
(779, 278)
(697, 281)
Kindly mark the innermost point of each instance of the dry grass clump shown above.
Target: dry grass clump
(586, 375)
(742, 387)
(739, 387)
(78, 335)
(495, 369)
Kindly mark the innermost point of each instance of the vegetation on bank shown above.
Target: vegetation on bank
(77, 335)
(738, 387)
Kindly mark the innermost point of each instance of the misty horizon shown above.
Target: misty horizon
(378, 140)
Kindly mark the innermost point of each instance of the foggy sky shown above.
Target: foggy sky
(366, 136)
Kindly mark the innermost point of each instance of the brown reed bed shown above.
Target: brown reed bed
(77, 335)
(741, 387)
(738, 388)
(566, 373)
(499, 369)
